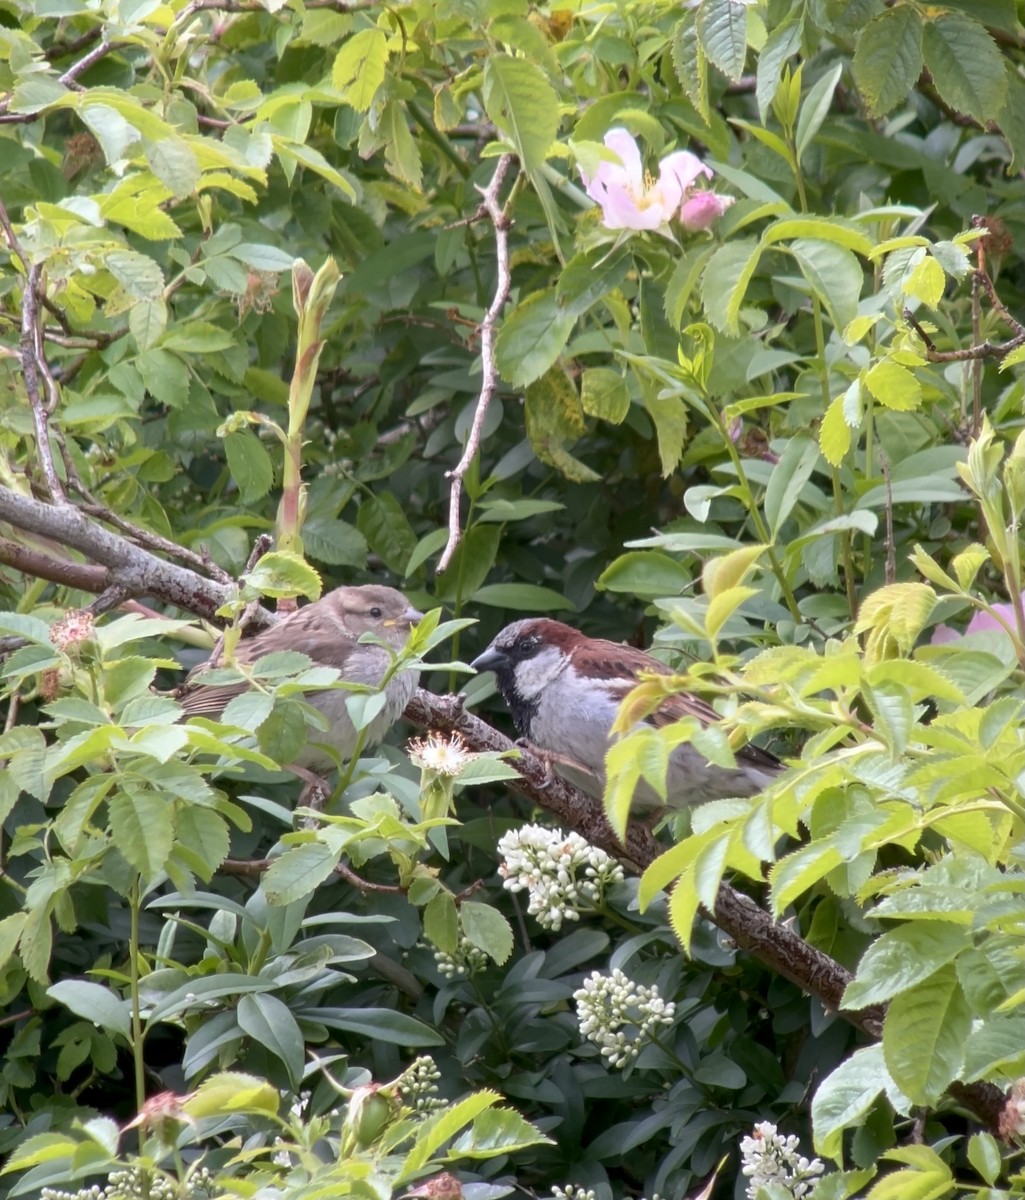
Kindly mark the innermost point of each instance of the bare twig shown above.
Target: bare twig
(88, 60)
(31, 356)
(489, 207)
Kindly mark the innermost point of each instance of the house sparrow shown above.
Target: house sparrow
(328, 631)
(564, 690)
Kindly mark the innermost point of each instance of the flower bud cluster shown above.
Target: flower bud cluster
(569, 1192)
(563, 874)
(418, 1085)
(620, 1016)
(128, 1184)
(768, 1157)
(467, 960)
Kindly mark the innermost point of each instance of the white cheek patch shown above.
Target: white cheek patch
(534, 674)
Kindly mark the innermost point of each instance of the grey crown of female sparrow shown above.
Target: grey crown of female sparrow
(564, 690)
(327, 631)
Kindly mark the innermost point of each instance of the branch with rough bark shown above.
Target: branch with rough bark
(499, 217)
(119, 564)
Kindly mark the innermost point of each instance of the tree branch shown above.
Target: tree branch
(489, 207)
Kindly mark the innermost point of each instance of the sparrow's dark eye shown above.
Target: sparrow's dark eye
(375, 612)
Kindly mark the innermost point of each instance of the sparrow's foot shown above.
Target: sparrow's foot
(543, 757)
(315, 794)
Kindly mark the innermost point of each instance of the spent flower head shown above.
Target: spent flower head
(769, 1157)
(563, 874)
(75, 626)
(439, 754)
(621, 1017)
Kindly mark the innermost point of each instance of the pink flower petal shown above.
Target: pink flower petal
(684, 168)
(620, 142)
(982, 621)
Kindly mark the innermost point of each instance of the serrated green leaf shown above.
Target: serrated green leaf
(966, 66)
(532, 337)
(924, 1036)
(722, 28)
(903, 958)
(725, 280)
(888, 59)
(280, 573)
(359, 67)
(523, 104)
(487, 929)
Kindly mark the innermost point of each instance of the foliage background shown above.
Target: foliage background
(662, 401)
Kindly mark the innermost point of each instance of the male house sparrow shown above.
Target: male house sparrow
(328, 631)
(564, 690)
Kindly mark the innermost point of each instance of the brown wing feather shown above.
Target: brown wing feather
(623, 664)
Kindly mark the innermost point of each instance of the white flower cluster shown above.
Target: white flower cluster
(563, 874)
(418, 1085)
(620, 1016)
(768, 1157)
(467, 960)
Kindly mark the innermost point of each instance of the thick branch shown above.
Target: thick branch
(128, 566)
(490, 208)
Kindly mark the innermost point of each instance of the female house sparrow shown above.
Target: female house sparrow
(328, 631)
(564, 689)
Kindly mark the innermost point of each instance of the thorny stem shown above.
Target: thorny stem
(489, 207)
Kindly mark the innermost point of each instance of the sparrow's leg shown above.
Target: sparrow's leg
(315, 793)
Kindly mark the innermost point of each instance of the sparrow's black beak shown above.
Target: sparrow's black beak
(490, 660)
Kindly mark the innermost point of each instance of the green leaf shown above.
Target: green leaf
(903, 958)
(589, 276)
(783, 42)
(924, 1036)
(845, 1096)
(442, 1126)
(140, 823)
(822, 229)
(384, 1024)
(441, 922)
(487, 929)
(966, 66)
(383, 522)
(834, 275)
(250, 465)
(299, 871)
(604, 394)
(888, 59)
(359, 67)
(724, 282)
(280, 573)
(532, 337)
(95, 1003)
(269, 1022)
(894, 386)
(925, 281)
(670, 417)
(722, 28)
(232, 1092)
(788, 477)
(523, 597)
(815, 109)
(138, 274)
(554, 416)
(523, 105)
(648, 574)
(984, 1155)
(175, 165)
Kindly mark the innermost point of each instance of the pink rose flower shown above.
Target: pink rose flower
(630, 199)
(981, 622)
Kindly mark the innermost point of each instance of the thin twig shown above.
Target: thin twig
(489, 207)
(88, 60)
(31, 363)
